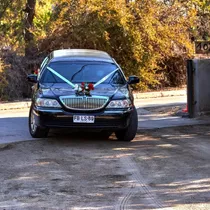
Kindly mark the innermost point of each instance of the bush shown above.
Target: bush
(13, 75)
(142, 41)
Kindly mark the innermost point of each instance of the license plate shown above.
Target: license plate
(83, 119)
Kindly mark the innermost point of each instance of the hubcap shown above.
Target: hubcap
(33, 123)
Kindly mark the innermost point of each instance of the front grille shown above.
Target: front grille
(83, 102)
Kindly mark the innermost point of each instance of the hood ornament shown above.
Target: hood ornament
(83, 89)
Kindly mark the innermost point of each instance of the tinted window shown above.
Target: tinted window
(77, 72)
(42, 66)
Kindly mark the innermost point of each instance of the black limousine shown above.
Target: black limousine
(82, 89)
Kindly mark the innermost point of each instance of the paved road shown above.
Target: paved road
(14, 123)
(14, 126)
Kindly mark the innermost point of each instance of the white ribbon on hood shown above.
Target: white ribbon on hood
(61, 77)
(105, 78)
(73, 85)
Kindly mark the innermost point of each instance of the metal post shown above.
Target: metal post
(190, 88)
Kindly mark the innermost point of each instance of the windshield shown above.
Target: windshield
(77, 72)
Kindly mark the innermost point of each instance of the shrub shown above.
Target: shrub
(141, 36)
(13, 75)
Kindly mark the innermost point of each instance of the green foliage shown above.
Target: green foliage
(11, 24)
(201, 29)
(42, 20)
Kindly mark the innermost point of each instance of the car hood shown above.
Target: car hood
(101, 90)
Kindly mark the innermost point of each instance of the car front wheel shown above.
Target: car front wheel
(129, 133)
(35, 130)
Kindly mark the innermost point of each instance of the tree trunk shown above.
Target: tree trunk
(30, 47)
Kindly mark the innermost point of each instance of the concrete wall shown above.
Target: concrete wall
(201, 80)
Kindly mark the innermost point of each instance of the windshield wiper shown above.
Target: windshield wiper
(78, 72)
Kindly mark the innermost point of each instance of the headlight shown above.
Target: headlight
(45, 102)
(119, 104)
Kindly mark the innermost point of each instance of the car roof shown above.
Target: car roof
(81, 54)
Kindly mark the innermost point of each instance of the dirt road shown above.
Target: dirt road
(161, 169)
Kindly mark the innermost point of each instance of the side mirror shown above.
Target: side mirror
(133, 80)
(32, 78)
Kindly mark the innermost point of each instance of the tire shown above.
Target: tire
(129, 133)
(35, 130)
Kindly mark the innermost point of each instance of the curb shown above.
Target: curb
(169, 93)
(15, 105)
(197, 121)
(27, 103)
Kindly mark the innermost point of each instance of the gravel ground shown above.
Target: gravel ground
(161, 169)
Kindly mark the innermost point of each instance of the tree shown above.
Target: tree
(149, 38)
(201, 29)
(3, 7)
(141, 35)
(11, 24)
(30, 48)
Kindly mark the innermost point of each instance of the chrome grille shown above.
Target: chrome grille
(83, 102)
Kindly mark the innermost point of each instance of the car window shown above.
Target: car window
(44, 62)
(117, 78)
(77, 72)
(42, 66)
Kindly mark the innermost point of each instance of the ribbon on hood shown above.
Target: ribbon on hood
(61, 77)
(73, 85)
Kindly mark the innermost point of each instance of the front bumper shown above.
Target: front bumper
(104, 120)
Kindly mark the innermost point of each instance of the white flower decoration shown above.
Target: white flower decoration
(76, 87)
(79, 89)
